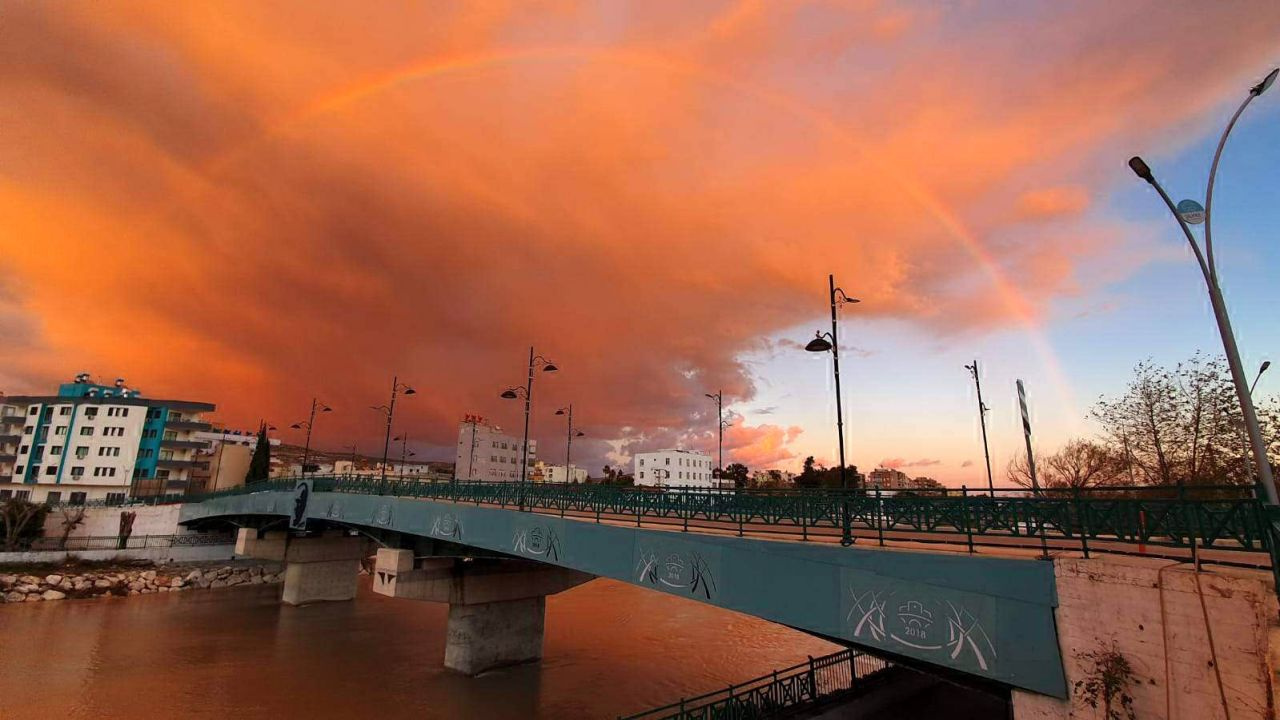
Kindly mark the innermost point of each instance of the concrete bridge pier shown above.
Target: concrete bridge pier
(497, 607)
(317, 569)
(251, 542)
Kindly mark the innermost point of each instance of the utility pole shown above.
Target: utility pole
(982, 418)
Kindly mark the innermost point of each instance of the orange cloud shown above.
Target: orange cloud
(253, 207)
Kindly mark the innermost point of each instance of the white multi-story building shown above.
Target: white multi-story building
(558, 474)
(97, 442)
(485, 453)
(674, 468)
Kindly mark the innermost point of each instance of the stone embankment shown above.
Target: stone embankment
(72, 582)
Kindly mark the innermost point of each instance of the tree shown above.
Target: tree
(70, 517)
(1078, 464)
(808, 477)
(1181, 426)
(21, 521)
(738, 473)
(260, 464)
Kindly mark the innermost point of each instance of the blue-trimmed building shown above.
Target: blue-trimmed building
(98, 442)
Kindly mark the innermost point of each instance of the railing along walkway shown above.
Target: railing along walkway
(819, 680)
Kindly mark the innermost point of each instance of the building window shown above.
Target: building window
(668, 461)
(28, 429)
(55, 450)
(18, 470)
(64, 410)
(35, 409)
(86, 431)
(642, 463)
(82, 452)
(115, 498)
(60, 430)
(53, 498)
(90, 413)
(6, 494)
(51, 470)
(77, 498)
(77, 471)
(22, 495)
(24, 449)
(641, 474)
(162, 474)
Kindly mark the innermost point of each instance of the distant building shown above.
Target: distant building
(98, 442)
(543, 472)
(228, 455)
(888, 479)
(772, 478)
(925, 483)
(247, 438)
(674, 468)
(486, 453)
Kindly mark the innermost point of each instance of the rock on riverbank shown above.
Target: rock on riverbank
(64, 583)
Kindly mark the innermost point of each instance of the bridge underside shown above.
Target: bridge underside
(986, 617)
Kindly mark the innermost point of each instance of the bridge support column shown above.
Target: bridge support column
(270, 546)
(496, 606)
(321, 569)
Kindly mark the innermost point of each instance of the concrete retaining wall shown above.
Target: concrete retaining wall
(105, 521)
(1151, 610)
(198, 553)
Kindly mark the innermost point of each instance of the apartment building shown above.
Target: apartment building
(486, 453)
(97, 442)
(674, 468)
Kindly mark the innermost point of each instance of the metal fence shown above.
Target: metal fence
(132, 542)
(808, 683)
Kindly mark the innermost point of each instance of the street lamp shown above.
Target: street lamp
(830, 342)
(1210, 272)
(719, 398)
(308, 424)
(568, 468)
(511, 393)
(1265, 364)
(403, 439)
(982, 417)
(352, 448)
(389, 410)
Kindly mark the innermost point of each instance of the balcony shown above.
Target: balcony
(10, 439)
(187, 425)
(12, 419)
(185, 444)
(183, 464)
(7, 457)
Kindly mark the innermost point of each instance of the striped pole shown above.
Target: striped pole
(1026, 431)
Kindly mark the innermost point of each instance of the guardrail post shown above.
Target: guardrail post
(804, 524)
(964, 514)
(635, 500)
(879, 516)
(1082, 512)
(684, 510)
(813, 681)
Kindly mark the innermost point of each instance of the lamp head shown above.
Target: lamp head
(271, 427)
(296, 426)
(326, 408)
(549, 367)
(1140, 169)
(560, 411)
(509, 394)
(818, 344)
(580, 434)
(1265, 364)
(1261, 87)
(410, 391)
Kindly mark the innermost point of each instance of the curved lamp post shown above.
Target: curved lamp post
(829, 342)
(721, 425)
(1209, 270)
(389, 410)
(568, 468)
(307, 425)
(512, 393)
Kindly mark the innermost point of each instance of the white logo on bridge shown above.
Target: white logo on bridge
(679, 571)
(447, 525)
(916, 626)
(537, 541)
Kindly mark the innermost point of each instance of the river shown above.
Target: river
(610, 649)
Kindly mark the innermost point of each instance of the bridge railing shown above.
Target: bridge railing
(1219, 517)
(808, 683)
(86, 543)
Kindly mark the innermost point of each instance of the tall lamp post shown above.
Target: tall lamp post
(720, 426)
(982, 417)
(825, 342)
(389, 410)
(308, 424)
(352, 448)
(403, 439)
(511, 393)
(1210, 272)
(568, 446)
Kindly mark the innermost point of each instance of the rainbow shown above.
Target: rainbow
(439, 67)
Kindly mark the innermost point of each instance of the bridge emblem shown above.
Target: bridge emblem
(537, 541)
(335, 510)
(384, 514)
(964, 639)
(447, 525)
(688, 571)
(301, 494)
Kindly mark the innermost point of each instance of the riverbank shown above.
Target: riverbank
(85, 580)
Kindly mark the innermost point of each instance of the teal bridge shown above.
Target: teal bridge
(975, 603)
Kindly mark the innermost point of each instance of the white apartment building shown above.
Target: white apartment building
(486, 453)
(97, 442)
(674, 468)
(558, 474)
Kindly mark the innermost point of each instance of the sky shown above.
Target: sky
(255, 204)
